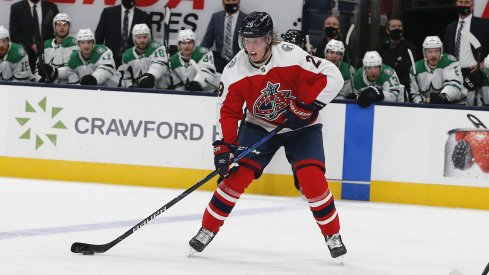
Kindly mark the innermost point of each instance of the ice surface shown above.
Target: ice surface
(264, 235)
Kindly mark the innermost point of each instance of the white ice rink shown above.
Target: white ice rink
(39, 220)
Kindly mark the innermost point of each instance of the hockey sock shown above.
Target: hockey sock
(225, 197)
(320, 199)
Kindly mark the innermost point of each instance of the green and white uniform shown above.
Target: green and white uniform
(387, 82)
(100, 64)
(58, 55)
(200, 68)
(446, 78)
(347, 72)
(154, 61)
(14, 66)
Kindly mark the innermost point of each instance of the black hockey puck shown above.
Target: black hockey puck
(88, 252)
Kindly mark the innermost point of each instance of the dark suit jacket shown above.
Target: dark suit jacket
(22, 25)
(215, 32)
(109, 29)
(479, 27)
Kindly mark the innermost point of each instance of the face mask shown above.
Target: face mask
(231, 8)
(128, 4)
(463, 10)
(395, 34)
(35, 1)
(331, 31)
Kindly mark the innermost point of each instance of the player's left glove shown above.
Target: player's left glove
(47, 72)
(473, 80)
(439, 99)
(370, 95)
(147, 80)
(88, 80)
(300, 114)
(223, 156)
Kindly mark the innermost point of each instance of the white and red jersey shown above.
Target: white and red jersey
(290, 74)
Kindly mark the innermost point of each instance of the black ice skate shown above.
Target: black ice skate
(201, 240)
(335, 245)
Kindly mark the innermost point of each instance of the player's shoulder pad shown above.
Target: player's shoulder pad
(48, 43)
(388, 70)
(74, 61)
(16, 53)
(128, 55)
(70, 41)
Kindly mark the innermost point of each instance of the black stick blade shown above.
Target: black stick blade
(88, 248)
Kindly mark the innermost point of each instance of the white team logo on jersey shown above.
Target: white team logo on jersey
(272, 102)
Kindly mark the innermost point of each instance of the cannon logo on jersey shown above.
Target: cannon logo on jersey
(272, 102)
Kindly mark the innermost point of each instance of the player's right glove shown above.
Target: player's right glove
(88, 80)
(439, 99)
(300, 114)
(223, 156)
(473, 80)
(370, 95)
(47, 72)
(193, 86)
(147, 80)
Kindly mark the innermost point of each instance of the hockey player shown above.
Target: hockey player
(437, 78)
(147, 60)
(334, 52)
(279, 83)
(376, 81)
(57, 52)
(14, 62)
(92, 64)
(480, 97)
(193, 66)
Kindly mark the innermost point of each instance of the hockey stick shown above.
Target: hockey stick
(347, 42)
(413, 63)
(308, 45)
(486, 270)
(90, 249)
(477, 46)
(40, 50)
(166, 40)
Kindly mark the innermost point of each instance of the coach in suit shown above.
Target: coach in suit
(31, 21)
(458, 45)
(114, 28)
(223, 32)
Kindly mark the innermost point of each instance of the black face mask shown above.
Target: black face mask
(35, 1)
(128, 4)
(331, 31)
(463, 10)
(395, 34)
(231, 8)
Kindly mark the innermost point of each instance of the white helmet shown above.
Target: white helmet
(335, 46)
(372, 59)
(61, 17)
(4, 33)
(84, 35)
(432, 42)
(140, 29)
(185, 35)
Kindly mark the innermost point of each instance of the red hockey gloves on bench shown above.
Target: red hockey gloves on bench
(223, 156)
(300, 114)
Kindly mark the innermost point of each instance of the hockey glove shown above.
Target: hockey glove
(439, 99)
(147, 80)
(88, 80)
(223, 156)
(47, 72)
(370, 95)
(193, 86)
(473, 80)
(300, 114)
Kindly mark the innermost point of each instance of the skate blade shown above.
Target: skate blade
(192, 252)
(340, 259)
